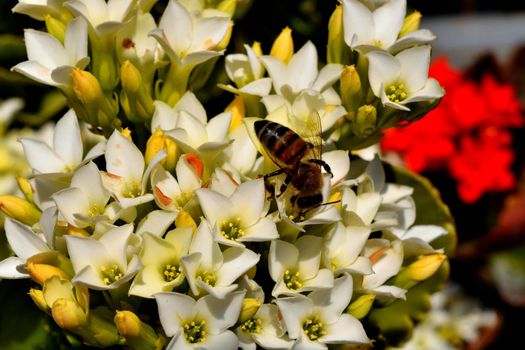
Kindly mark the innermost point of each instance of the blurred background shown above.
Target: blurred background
(474, 155)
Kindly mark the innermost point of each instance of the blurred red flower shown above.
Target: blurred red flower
(467, 134)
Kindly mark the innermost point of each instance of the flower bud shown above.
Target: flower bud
(256, 47)
(130, 77)
(249, 308)
(41, 272)
(128, 324)
(238, 112)
(227, 6)
(410, 24)
(55, 27)
(282, 47)
(38, 298)
(336, 40)
(365, 122)
(360, 307)
(19, 209)
(25, 187)
(138, 334)
(351, 93)
(86, 86)
(420, 270)
(68, 314)
(184, 219)
(159, 141)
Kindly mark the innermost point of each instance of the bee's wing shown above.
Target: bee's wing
(310, 131)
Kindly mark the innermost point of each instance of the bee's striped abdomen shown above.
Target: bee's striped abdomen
(280, 142)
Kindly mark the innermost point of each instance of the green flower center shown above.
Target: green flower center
(252, 325)
(292, 279)
(207, 277)
(313, 328)
(396, 92)
(231, 229)
(171, 272)
(195, 331)
(111, 273)
(132, 190)
(95, 210)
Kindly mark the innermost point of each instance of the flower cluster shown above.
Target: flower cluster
(468, 134)
(244, 231)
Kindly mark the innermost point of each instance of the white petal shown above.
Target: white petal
(203, 243)
(194, 128)
(294, 311)
(190, 265)
(176, 22)
(41, 157)
(220, 313)
(115, 241)
(123, 158)
(187, 175)
(89, 181)
(414, 67)
(76, 39)
(309, 248)
(328, 75)
(199, 57)
(156, 222)
(425, 232)
(85, 252)
(430, 91)
(208, 32)
(282, 255)
(346, 330)
(13, 268)
(190, 104)
(302, 68)
(90, 278)
(388, 20)
(276, 70)
(174, 308)
(333, 301)
(36, 71)
(249, 200)
(367, 206)
(47, 222)
(215, 206)
(45, 49)
(259, 87)
(226, 340)
(339, 163)
(358, 23)
(72, 201)
(383, 69)
(217, 127)
(237, 261)
(22, 240)
(262, 230)
(417, 37)
(387, 266)
(323, 280)
(67, 141)
(164, 117)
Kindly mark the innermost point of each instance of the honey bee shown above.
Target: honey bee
(299, 159)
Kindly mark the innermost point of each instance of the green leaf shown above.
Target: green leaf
(508, 271)
(430, 209)
(12, 48)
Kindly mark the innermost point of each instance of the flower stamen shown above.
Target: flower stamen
(231, 229)
(195, 331)
(292, 279)
(396, 92)
(171, 272)
(314, 328)
(111, 273)
(252, 325)
(207, 277)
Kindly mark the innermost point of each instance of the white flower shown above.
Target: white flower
(263, 329)
(366, 30)
(188, 39)
(102, 264)
(300, 73)
(84, 203)
(239, 218)
(50, 62)
(402, 79)
(201, 324)
(211, 270)
(39, 9)
(125, 176)
(317, 320)
(295, 267)
(25, 243)
(160, 258)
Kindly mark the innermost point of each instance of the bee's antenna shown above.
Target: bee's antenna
(326, 203)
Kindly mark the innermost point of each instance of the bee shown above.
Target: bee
(298, 159)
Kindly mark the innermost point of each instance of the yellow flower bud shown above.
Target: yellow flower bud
(351, 93)
(411, 23)
(68, 314)
(25, 187)
(75, 231)
(256, 47)
(86, 86)
(249, 308)
(282, 47)
(41, 272)
(223, 44)
(227, 6)
(38, 297)
(185, 220)
(365, 122)
(421, 269)
(360, 307)
(336, 40)
(128, 324)
(126, 133)
(159, 141)
(238, 112)
(19, 209)
(130, 77)
(55, 27)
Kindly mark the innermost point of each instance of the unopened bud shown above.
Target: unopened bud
(282, 47)
(159, 141)
(25, 187)
(138, 334)
(86, 86)
(256, 47)
(19, 209)
(184, 219)
(128, 324)
(420, 270)
(42, 272)
(336, 40)
(38, 298)
(130, 77)
(68, 314)
(126, 133)
(411, 23)
(55, 27)
(227, 6)
(249, 308)
(360, 307)
(364, 124)
(238, 112)
(351, 93)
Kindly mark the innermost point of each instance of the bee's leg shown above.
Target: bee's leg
(269, 186)
(322, 163)
(285, 184)
(274, 173)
